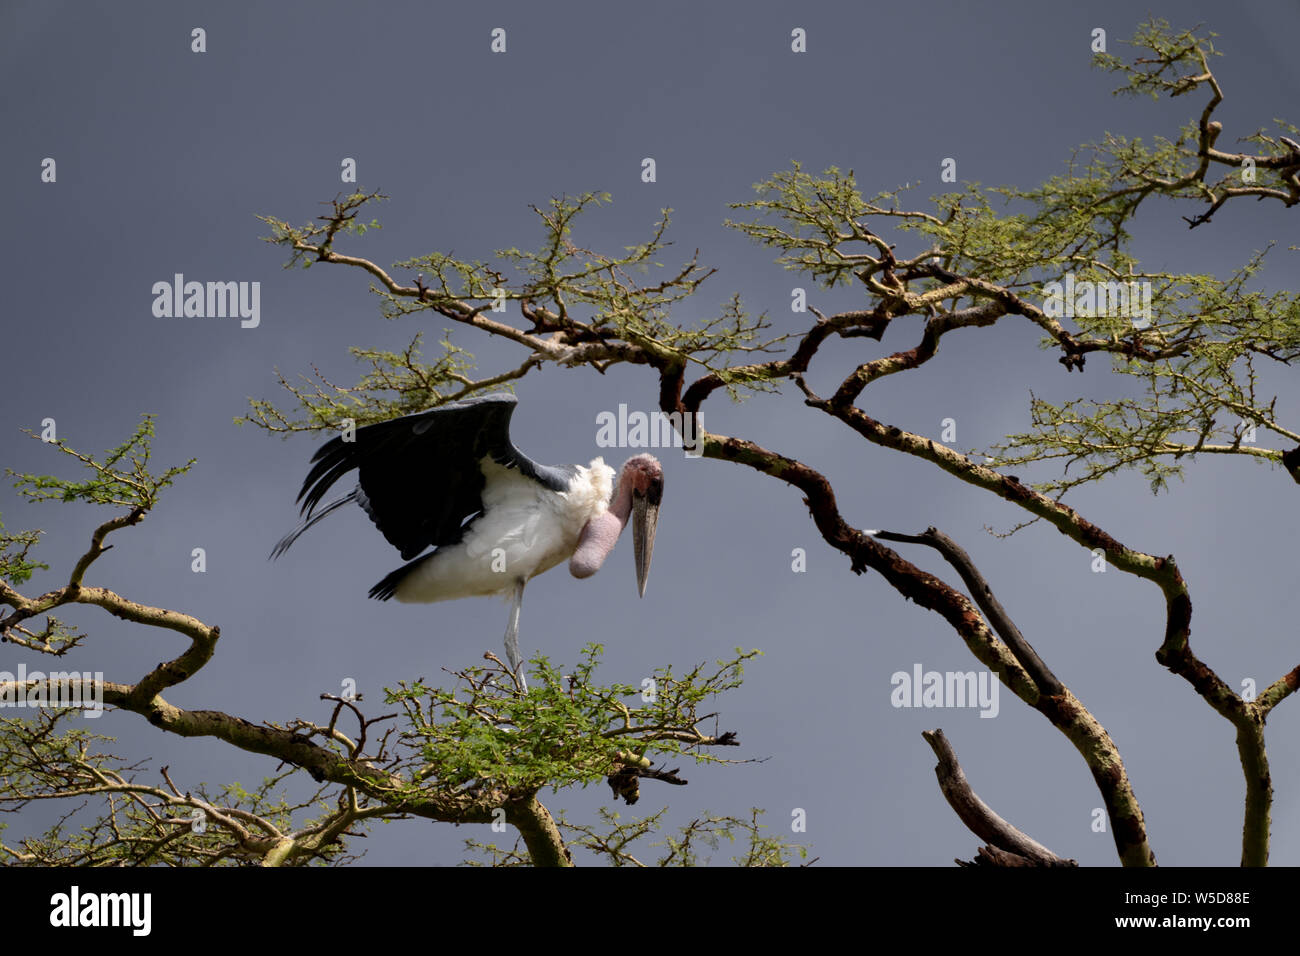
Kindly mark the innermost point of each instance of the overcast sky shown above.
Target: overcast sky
(166, 156)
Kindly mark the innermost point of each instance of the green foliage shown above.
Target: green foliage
(398, 383)
(343, 219)
(1203, 398)
(1195, 359)
(618, 842)
(14, 546)
(817, 223)
(568, 730)
(1176, 60)
(55, 638)
(140, 824)
(761, 849)
(575, 295)
(122, 478)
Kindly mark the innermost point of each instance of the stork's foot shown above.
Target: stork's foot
(516, 665)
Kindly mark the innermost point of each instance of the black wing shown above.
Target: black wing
(419, 476)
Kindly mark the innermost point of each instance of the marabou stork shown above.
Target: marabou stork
(451, 479)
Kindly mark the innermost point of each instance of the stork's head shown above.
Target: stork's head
(637, 497)
(646, 477)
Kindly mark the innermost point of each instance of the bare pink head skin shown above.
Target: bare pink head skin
(640, 490)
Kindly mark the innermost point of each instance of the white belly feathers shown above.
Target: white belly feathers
(525, 529)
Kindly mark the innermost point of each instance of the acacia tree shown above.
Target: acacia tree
(964, 261)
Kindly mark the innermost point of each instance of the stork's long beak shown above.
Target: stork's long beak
(645, 517)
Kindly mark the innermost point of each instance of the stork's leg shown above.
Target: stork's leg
(512, 635)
